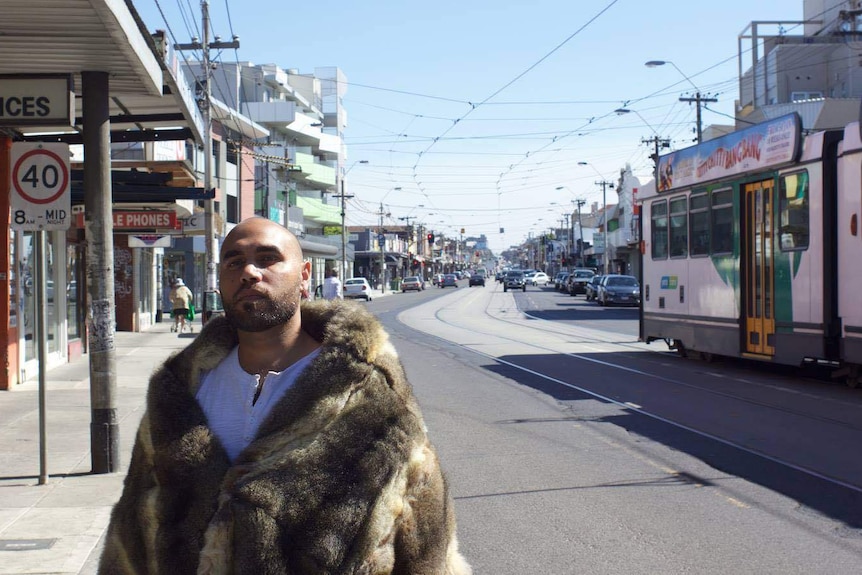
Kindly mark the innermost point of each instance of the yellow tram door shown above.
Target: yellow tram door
(759, 280)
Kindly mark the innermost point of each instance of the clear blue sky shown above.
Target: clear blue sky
(479, 110)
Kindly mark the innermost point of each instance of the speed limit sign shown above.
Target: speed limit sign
(41, 197)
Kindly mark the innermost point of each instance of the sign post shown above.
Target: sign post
(40, 201)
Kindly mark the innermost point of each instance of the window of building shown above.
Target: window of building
(658, 229)
(698, 210)
(679, 227)
(722, 221)
(793, 211)
(805, 95)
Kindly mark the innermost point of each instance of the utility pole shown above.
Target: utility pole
(344, 197)
(205, 104)
(657, 143)
(581, 261)
(381, 242)
(605, 184)
(699, 100)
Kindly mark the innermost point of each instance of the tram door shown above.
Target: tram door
(759, 289)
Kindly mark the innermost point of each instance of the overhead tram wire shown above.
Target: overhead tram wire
(516, 78)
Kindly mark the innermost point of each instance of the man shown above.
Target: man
(332, 286)
(181, 301)
(284, 439)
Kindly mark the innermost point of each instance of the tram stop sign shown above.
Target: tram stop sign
(41, 196)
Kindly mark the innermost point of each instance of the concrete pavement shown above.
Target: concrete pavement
(57, 528)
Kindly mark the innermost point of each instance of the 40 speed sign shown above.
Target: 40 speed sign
(41, 198)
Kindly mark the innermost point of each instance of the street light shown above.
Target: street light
(344, 197)
(604, 184)
(656, 140)
(698, 98)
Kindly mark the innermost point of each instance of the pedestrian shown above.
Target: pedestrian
(181, 301)
(284, 439)
(332, 286)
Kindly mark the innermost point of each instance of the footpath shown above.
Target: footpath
(58, 527)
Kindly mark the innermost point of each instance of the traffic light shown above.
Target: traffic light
(430, 238)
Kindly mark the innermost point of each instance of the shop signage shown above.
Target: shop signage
(149, 241)
(140, 220)
(36, 100)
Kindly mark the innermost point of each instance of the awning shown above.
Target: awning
(316, 249)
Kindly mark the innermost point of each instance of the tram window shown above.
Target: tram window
(721, 217)
(793, 211)
(678, 227)
(659, 229)
(698, 211)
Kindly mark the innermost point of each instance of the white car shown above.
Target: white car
(540, 278)
(357, 288)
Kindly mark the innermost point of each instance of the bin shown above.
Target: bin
(395, 285)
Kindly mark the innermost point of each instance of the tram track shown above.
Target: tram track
(558, 341)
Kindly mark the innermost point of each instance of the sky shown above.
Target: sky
(494, 117)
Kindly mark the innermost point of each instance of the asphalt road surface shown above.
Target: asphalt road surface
(573, 448)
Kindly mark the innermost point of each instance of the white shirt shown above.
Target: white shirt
(332, 288)
(227, 395)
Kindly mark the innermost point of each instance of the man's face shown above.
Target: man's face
(262, 276)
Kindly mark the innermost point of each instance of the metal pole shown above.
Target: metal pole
(42, 352)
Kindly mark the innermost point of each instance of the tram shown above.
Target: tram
(751, 247)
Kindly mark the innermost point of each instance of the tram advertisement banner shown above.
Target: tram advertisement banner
(758, 147)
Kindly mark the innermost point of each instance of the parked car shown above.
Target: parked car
(357, 288)
(412, 283)
(540, 279)
(514, 280)
(477, 279)
(619, 289)
(560, 281)
(449, 280)
(592, 287)
(578, 280)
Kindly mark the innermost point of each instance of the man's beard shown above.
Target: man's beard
(260, 315)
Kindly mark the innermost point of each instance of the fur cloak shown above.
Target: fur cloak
(340, 479)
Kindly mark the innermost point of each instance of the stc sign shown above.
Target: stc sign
(36, 100)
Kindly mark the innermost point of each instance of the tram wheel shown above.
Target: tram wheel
(854, 377)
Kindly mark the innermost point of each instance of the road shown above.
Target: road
(573, 448)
